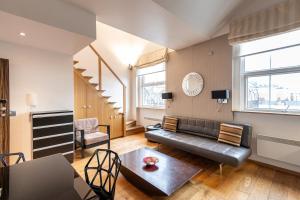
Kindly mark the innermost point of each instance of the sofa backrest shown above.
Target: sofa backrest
(211, 129)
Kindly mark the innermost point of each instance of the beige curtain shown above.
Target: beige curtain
(279, 18)
(152, 58)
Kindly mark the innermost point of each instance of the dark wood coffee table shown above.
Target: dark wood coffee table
(170, 175)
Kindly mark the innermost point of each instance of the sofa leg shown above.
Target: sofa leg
(221, 168)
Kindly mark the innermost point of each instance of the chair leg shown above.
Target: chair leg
(108, 144)
(221, 168)
(82, 152)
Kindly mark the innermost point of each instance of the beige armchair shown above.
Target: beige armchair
(87, 134)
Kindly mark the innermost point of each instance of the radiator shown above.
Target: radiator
(279, 149)
(153, 119)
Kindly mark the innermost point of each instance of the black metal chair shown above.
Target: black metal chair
(3, 158)
(101, 173)
(95, 138)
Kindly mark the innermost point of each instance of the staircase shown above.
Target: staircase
(90, 102)
(79, 72)
(133, 128)
(90, 97)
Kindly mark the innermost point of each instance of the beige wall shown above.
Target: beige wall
(47, 74)
(215, 69)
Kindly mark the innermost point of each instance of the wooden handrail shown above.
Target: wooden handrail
(107, 65)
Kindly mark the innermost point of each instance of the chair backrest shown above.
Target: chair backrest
(89, 125)
(101, 172)
(3, 158)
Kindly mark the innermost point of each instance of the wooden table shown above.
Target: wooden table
(47, 178)
(170, 175)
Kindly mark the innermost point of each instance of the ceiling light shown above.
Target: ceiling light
(22, 34)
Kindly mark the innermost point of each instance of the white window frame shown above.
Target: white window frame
(140, 85)
(240, 78)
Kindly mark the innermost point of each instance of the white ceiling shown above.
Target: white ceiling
(125, 47)
(173, 23)
(40, 35)
(51, 25)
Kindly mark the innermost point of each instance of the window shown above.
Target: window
(269, 73)
(151, 84)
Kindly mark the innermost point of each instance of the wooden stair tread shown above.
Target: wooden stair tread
(130, 122)
(106, 97)
(75, 62)
(94, 84)
(88, 77)
(80, 70)
(135, 129)
(111, 102)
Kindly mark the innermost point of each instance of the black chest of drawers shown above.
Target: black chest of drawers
(52, 133)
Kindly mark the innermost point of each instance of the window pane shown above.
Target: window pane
(285, 91)
(258, 92)
(257, 62)
(152, 95)
(286, 57)
(154, 78)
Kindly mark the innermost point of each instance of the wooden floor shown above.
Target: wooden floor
(249, 182)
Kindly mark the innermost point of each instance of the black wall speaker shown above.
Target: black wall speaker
(167, 95)
(220, 94)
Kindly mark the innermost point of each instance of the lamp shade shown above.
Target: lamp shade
(32, 100)
(167, 95)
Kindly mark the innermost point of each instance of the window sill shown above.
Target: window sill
(268, 112)
(152, 108)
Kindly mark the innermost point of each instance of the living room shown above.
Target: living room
(193, 100)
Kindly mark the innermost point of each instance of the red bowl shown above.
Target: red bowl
(150, 160)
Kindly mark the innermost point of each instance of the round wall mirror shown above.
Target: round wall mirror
(192, 84)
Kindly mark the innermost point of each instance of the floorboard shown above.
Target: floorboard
(248, 182)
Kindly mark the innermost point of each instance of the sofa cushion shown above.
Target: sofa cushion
(246, 135)
(93, 138)
(205, 147)
(230, 134)
(200, 127)
(170, 123)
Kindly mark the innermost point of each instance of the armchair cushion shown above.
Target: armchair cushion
(93, 138)
(89, 125)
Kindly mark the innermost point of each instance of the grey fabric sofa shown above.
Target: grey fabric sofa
(199, 136)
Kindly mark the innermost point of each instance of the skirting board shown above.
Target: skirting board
(275, 164)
